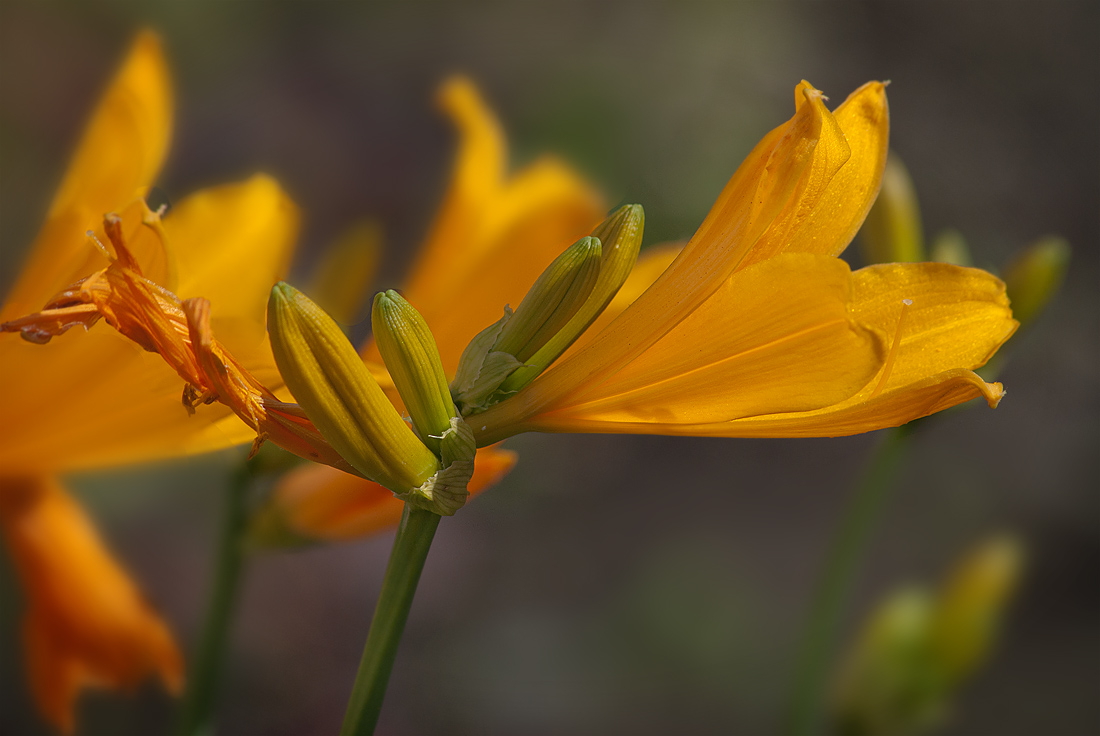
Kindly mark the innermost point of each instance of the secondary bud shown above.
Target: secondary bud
(554, 298)
(883, 684)
(892, 231)
(621, 236)
(1035, 276)
(411, 355)
(339, 395)
(970, 605)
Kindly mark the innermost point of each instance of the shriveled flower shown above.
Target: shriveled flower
(93, 401)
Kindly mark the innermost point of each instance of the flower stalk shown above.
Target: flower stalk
(200, 698)
(845, 555)
(410, 550)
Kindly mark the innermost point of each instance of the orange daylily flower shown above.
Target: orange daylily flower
(86, 622)
(95, 401)
(757, 329)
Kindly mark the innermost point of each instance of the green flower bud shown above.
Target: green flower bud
(500, 349)
(339, 395)
(506, 356)
(554, 298)
(970, 606)
(886, 684)
(892, 231)
(1035, 275)
(621, 235)
(411, 355)
(950, 247)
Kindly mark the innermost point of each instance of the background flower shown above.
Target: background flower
(545, 618)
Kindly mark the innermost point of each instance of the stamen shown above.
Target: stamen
(893, 354)
(99, 245)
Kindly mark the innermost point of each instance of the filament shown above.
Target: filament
(893, 354)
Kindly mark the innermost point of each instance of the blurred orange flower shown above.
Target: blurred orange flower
(86, 622)
(96, 401)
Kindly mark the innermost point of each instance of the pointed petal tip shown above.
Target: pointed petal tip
(993, 393)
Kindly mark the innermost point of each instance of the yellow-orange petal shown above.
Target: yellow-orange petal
(776, 337)
(119, 155)
(86, 623)
(232, 243)
(956, 320)
(826, 220)
(958, 317)
(319, 503)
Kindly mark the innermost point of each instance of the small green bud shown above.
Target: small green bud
(621, 235)
(892, 231)
(970, 605)
(554, 298)
(410, 353)
(501, 348)
(950, 247)
(507, 355)
(886, 684)
(339, 395)
(1035, 275)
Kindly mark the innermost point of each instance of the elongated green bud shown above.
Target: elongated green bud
(884, 683)
(621, 235)
(554, 298)
(411, 355)
(970, 607)
(559, 293)
(1035, 276)
(339, 395)
(892, 231)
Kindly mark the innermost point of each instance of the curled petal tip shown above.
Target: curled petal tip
(993, 393)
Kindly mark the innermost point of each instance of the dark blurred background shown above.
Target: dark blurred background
(610, 584)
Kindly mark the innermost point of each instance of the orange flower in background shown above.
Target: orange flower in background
(87, 624)
(94, 400)
(757, 329)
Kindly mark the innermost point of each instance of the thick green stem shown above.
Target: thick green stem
(410, 549)
(204, 677)
(846, 552)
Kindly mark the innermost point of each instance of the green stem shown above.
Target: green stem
(410, 549)
(204, 678)
(827, 608)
